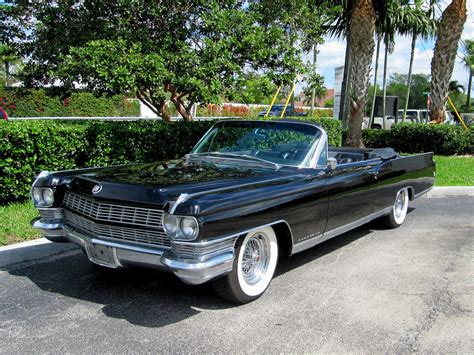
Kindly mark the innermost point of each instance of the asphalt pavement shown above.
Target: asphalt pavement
(369, 290)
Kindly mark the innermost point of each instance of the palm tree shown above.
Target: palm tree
(469, 63)
(449, 33)
(361, 37)
(419, 22)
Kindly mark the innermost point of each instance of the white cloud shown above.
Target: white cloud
(332, 51)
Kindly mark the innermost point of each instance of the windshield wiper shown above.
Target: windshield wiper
(238, 156)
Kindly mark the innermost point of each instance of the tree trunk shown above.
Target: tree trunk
(313, 92)
(449, 32)
(372, 110)
(345, 89)
(469, 86)
(158, 108)
(7, 73)
(163, 112)
(384, 82)
(184, 111)
(361, 37)
(410, 69)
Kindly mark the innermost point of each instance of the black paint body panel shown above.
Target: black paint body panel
(227, 200)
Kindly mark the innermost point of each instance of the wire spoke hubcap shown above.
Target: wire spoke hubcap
(399, 206)
(255, 259)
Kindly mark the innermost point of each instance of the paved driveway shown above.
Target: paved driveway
(369, 290)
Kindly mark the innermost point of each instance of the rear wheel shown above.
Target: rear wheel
(253, 268)
(399, 210)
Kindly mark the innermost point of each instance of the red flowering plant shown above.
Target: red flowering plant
(7, 106)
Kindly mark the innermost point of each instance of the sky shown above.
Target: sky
(332, 51)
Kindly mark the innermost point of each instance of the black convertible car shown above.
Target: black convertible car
(248, 192)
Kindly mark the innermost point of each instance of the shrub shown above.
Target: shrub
(19, 102)
(27, 147)
(419, 138)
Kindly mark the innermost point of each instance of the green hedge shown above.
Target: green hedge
(419, 138)
(19, 102)
(27, 147)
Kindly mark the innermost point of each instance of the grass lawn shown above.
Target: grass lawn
(454, 170)
(15, 223)
(15, 218)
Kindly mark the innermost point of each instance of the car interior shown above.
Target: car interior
(351, 155)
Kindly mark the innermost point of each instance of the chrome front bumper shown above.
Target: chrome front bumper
(216, 261)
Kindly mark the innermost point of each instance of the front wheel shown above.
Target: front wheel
(399, 210)
(254, 265)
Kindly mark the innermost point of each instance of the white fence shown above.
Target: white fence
(176, 118)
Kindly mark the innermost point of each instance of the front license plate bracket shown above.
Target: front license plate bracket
(102, 255)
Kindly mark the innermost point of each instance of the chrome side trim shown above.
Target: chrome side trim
(245, 231)
(423, 192)
(181, 198)
(339, 230)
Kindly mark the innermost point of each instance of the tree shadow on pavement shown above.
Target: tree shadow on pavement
(150, 298)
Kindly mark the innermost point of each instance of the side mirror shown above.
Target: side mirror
(331, 164)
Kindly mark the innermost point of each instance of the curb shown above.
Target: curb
(445, 191)
(31, 252)
(40, 250)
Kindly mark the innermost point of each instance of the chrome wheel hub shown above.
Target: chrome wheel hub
(400, 204)
(255, 259)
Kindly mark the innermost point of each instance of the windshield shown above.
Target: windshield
(281, 143)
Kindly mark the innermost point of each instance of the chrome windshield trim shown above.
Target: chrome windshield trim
(309, 158)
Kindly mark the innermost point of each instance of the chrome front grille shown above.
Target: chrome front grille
(104, 231)
(107, 212)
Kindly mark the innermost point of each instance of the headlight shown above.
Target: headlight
(48, 197)
(189, 227)
(42, 196)
(37, 195)
(170, 224)
(180, 227)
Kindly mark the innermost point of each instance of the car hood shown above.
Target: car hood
(163, 182)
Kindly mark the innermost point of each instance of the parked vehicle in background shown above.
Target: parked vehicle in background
(389, 122)
(421, 116)
(278, 109)
(413, 116)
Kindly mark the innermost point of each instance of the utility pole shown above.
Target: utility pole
(469, 86)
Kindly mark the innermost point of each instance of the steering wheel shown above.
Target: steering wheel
(287, 155)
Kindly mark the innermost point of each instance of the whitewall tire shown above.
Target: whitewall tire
(256, 257)
(399, 210)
